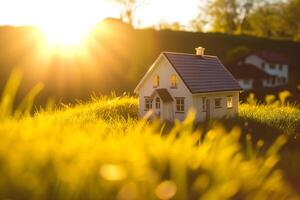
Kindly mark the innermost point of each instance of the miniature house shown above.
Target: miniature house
(177, 82)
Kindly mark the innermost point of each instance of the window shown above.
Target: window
(263, 65)
(270, 81)
(148, 103)
(173, 81)
(156, 81)
(229, 102)
(203, 104)
(157, 103)
(272, 66)
(179, 104)
(280, 67)
(246, 81)
(218, 103)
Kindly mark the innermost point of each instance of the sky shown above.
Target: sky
(89, 12)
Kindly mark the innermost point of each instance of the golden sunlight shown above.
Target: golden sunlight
(67, 23)
(64, 33)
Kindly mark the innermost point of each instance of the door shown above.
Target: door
(208, 110)
(157, 106)
(168, 113)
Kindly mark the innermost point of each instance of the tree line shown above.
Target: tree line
(272, 19)
(277, 19)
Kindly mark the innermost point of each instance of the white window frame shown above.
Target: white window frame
(220, 102)
(246, 81)
(157, 103)
(272, 67)
(156, 81)
(180, 101)
(173, 81)
(148, 103)
(229, 102)
(203, 104)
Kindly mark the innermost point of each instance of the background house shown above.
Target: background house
(250, 77)
(261, 70)
(274, 64)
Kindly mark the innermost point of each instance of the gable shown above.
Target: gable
(164, 69)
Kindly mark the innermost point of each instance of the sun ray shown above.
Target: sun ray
(65, 33)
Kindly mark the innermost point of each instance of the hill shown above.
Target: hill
(101, 150)
(114, 58)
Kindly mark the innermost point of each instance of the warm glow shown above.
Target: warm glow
(63, 22)
(36, 12)
(64, 33)
(68, 24)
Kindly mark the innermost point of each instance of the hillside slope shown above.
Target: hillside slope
(101, 150)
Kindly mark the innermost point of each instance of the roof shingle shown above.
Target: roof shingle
(202, 73)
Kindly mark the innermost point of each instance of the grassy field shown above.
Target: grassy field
(101, 150)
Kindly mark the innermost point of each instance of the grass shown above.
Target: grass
(284, 118)
(101, 150)
(266, 122)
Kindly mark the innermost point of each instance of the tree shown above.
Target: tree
(292, 16)
(175, 26)
(276, 20)
(267, 21)
(129, 7)
(200, 21)
(224, 14)
(264, 18)
(231, 16)
(245, 10)
(236, 53)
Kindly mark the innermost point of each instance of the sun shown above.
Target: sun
(66, 22)
(65, 33)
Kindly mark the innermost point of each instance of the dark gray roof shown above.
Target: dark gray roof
(248, 71)
(164, 94)
(202, 73)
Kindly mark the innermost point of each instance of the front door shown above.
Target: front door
(168, 113)
(208, 110)
(157, 106)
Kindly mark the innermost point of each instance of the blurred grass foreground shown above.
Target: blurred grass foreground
(101, 150)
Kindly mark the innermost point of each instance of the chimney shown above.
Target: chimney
(200, 51)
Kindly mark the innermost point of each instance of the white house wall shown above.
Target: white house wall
(267, 83)
(164, 70)
(246, 84)
(216, 112)
(254, 60)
